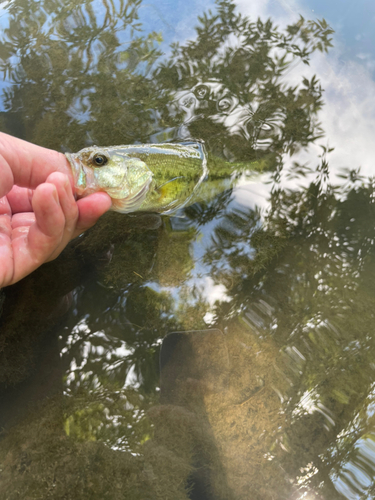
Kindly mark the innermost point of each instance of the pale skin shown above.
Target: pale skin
(38, 212)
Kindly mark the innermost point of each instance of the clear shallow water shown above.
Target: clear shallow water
(269, 393)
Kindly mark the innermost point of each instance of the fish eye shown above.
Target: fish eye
(99, 160)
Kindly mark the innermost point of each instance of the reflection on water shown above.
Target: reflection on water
(225, 352)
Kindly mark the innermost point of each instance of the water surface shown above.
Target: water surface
(226, 351)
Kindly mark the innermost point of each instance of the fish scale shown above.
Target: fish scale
(168, 160)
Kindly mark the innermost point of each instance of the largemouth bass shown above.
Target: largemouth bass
(151, 177)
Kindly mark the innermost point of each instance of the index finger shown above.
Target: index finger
(28, 165)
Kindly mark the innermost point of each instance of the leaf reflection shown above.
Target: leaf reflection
(292, 288)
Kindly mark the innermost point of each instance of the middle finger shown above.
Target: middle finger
(69, 208)
(23, 219)
(20, 199)
(67, 201)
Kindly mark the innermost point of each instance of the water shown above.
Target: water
(227, 351)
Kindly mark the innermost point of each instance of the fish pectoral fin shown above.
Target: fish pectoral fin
(172, 188)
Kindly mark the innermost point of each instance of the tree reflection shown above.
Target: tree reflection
(87, 73)
(296, 284)
(234, 96)
(303, 279)
(77, 63)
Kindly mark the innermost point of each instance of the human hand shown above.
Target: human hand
(38, 212)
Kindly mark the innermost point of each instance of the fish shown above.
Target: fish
(157, 178)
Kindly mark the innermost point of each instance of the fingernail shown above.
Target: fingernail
(66, 185)
(30, 194)
(55, 196)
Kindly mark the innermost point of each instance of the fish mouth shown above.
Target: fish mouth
(79, 175)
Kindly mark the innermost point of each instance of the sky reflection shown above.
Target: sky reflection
(282, 383)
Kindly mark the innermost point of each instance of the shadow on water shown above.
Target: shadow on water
(276, 399)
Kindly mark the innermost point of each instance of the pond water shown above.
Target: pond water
(226, 351)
